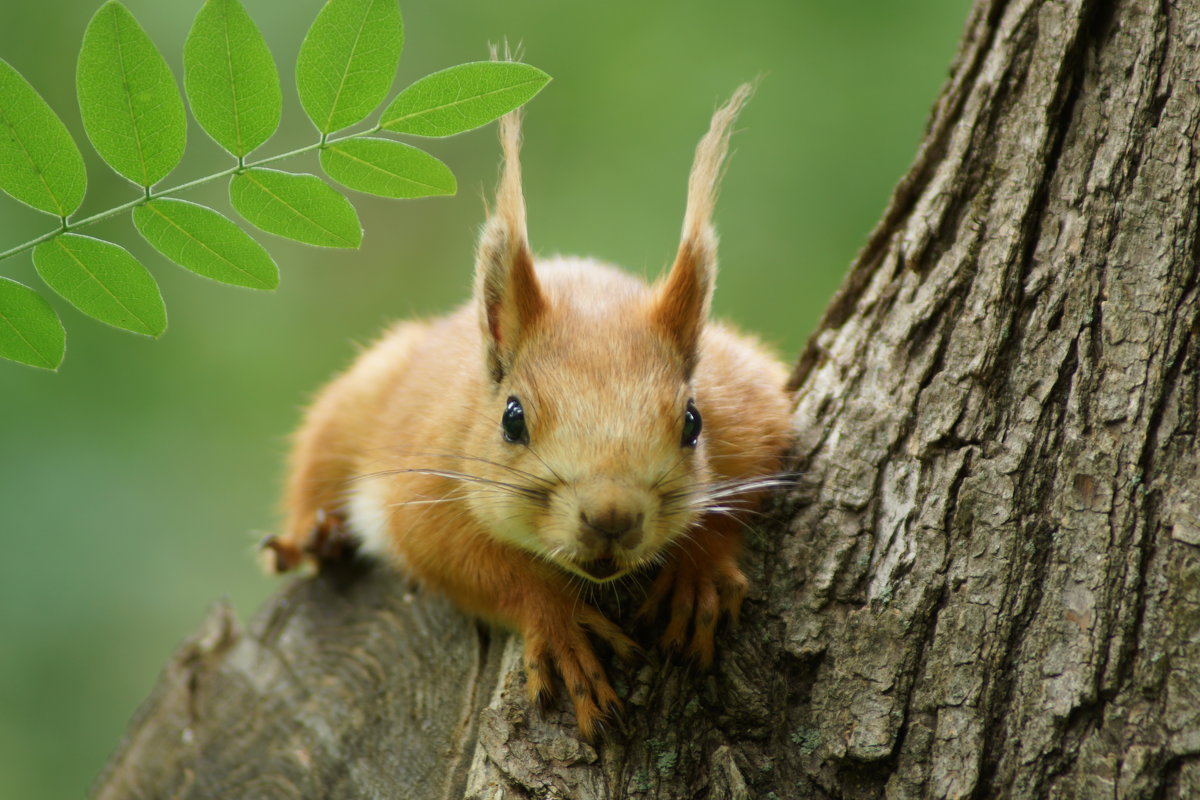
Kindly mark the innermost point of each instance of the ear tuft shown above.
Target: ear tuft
(506, 287)
(684, 296)
(706, 174)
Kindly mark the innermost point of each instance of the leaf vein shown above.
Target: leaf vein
(300, 214)
(101, 284)
(204, 245)
(455, 104)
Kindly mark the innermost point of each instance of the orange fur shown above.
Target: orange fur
(405, 453)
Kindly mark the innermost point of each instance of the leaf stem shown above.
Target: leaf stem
(149, 195)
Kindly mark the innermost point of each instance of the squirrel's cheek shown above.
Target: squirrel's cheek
(673, 524)
(507, 519)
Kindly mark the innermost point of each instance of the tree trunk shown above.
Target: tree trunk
(987, 581)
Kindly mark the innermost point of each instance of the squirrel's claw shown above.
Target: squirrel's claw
(328, 540)
(538, 686)
(283, 555)
(625, 648)
(325, 540)
(565, 648)
(698, 597)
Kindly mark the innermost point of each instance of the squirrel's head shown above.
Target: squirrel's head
(590, 447)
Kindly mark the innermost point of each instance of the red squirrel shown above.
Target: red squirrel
(569, 423)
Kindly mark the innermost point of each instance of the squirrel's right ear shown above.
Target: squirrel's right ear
(682, 298)
(506, 287)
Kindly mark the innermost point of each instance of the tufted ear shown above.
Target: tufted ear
(683, 297)
(506, 287)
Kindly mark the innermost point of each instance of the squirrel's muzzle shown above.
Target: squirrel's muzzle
(612, 519)
(612, 526)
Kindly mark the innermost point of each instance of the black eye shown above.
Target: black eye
(691, 425)
(513, 423)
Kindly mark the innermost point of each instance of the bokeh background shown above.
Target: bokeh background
(135, 481)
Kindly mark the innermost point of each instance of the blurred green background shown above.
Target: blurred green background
(134, 483)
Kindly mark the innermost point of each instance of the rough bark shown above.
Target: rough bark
(987, 581)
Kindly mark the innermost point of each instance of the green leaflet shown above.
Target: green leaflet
(40, 164)
(197, 238)
(461, 98)
(103, 281)
(348, 60)
(387, 168)
(300, 207)
(130, 104)
(30, 331)
(230, 77)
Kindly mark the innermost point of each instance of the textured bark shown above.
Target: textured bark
(987, 581)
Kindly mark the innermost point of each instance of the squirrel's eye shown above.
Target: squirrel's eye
(513, 423)
(691, 425)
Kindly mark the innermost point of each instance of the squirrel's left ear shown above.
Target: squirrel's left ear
(682, 299)
(506, 287)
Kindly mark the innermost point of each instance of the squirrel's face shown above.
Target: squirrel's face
(590, 441)
(599, 441)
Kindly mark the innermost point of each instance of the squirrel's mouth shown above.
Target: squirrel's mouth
(601, 569)
(598, 570)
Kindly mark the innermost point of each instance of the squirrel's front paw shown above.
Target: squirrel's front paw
(323, 539)
(562, 645)
(699, 590)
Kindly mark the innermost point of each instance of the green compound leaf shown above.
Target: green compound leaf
(230, 77)
(103, 281)
(348, 60)
(130, 104)
(197, 238)
(40, 164)
(387, 169)
(461, 98)
(30, 331)
(300, 207)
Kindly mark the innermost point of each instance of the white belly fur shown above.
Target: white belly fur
(367, 510)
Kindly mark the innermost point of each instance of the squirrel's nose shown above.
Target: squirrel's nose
(612, 523)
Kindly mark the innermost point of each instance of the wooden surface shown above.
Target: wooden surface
(342, 686)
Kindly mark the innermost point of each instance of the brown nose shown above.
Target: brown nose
(612, 523)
